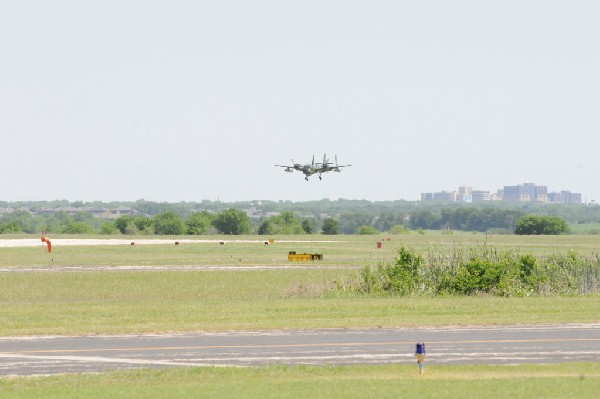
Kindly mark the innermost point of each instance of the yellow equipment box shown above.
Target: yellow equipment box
(294, 257)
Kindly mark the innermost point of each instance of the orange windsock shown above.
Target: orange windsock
(47, 241)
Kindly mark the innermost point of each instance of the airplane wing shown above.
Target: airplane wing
(338, 168)
(292, 166)
(288, 168)
(328, 165)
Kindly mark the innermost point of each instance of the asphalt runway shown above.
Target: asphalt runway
(444, 345)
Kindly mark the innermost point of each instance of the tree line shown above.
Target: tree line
(236, 222)
(383, 213)
(467, 219)
(229, 222)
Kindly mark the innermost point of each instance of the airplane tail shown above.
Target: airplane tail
(338, 167)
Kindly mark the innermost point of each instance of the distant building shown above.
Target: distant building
(465, 194)
(445, 196)
(45, 211)
(426, 196)
(479, 195)
(564, 197)
(527, 192)
(123, 210)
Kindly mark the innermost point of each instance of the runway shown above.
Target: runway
(69, 242)
(444, 345)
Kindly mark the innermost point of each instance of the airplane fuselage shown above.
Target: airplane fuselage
(310, 169)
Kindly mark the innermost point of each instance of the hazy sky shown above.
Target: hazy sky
(190, 100)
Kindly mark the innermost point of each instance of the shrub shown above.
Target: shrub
(169, 223)
(330, 226)
(109, 228)
(284, 223)
(541, 225)
(12, 227)
(367, 230)
(401, 277)
(77, 228)
(479, 270)
(398, 229)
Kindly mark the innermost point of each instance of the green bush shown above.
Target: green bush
(232, 222)
(284, 223)
(367, 230)
(199, 223)
(401, 277)
(77, 228)
(541, 225)
(109, 229)
(480, 271)
(398, 229)
(330, 226)
(169, 223)
(10, 228)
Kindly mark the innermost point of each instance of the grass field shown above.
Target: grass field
(339, 250)
(585, 228)
(57, 300)
(166, 301)
(64, 302)
(395, 381)
(237, 251)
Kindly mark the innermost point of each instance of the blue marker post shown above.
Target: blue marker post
(420, 354)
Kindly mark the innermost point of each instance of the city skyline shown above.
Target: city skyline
(525, 192)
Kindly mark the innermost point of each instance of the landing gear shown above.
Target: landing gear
(320, 178)
(306, 178)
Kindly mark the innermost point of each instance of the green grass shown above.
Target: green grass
(131, 302)
(106, 302)
(346, 250)
(392, 381)
(64, 302)
(585, 228)
(350, 251)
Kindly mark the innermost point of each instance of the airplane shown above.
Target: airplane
(312, 168)
(327, 166)
(308, 169)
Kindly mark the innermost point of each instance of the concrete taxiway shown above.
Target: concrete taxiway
(444, 345)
